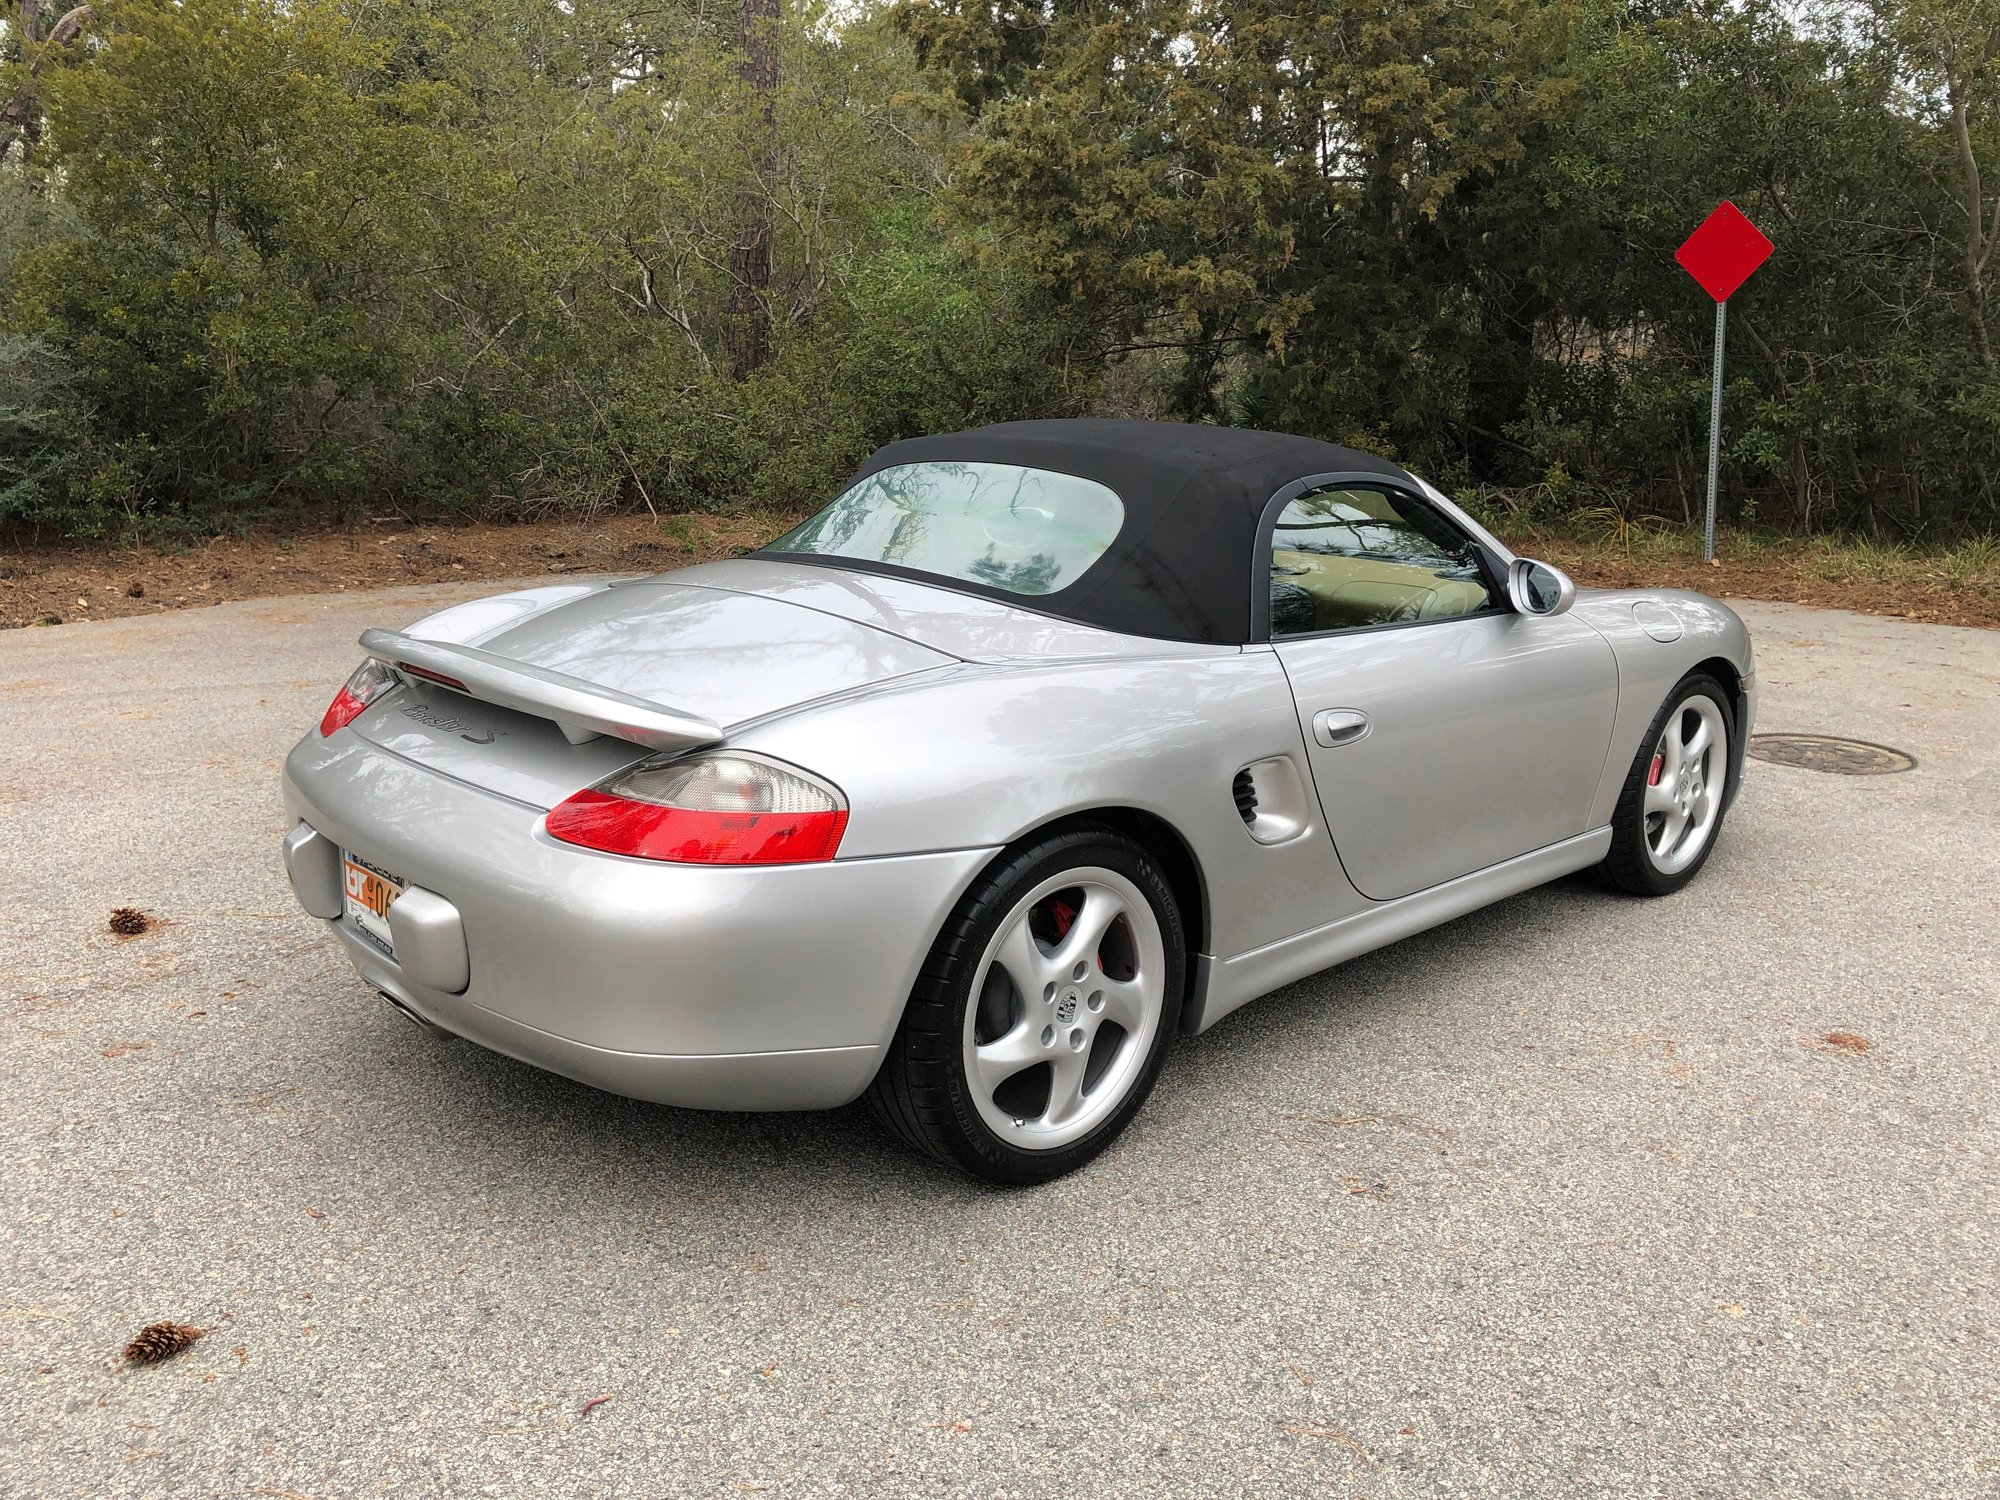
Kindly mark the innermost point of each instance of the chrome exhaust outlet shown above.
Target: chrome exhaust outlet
(429, 1027)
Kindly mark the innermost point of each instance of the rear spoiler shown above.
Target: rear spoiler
(581, 710)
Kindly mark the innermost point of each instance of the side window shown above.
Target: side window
(1344, 557)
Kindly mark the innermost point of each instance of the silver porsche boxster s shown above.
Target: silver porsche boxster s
(1040, 745)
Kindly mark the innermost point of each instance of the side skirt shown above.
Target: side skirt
(1233, 982)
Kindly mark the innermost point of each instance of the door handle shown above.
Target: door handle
(1333, 727)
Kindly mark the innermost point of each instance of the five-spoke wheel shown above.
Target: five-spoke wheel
(1043, 1013)
(1071, 994)
(1684, 783)
(1675, 794)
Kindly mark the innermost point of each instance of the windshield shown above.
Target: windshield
(1027, 531)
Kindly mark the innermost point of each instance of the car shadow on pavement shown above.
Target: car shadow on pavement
(519, 1131)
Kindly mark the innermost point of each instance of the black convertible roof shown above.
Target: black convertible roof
(1184, 564)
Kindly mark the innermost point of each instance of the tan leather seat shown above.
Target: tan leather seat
(1453, 596)
(1375, 601)
(1351, 591)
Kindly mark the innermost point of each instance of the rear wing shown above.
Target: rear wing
(581, 710)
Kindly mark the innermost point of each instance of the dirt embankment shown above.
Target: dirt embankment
(1959, 587)
(59, 585)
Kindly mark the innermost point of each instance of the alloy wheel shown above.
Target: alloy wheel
(1068, 998)
(1684, 784)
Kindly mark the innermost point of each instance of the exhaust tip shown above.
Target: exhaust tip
(430, 1028)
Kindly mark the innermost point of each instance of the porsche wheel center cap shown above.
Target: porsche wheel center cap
(1687, 788)
(1066, 1004)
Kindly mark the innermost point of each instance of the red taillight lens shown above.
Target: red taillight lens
(370, 680)
(711, 810)
(340, 713)
(617, 825)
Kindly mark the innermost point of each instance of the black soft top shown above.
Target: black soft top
(1184, 565)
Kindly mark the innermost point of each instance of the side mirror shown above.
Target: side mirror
(1538, 589)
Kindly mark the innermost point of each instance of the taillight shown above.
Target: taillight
(707, 809)
(370, 680)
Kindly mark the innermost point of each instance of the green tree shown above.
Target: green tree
(480, 253)
(34, 43)
(1237, 181)
(1446, 231)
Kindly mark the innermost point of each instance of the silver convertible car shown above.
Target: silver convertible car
(1041, 745)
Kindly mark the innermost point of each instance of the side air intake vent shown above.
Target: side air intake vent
(1246, 798)
(1272, 800)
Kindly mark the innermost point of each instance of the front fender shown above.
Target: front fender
(1651, 660)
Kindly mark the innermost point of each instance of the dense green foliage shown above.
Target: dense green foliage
(278, 256)
(1446, 231)
(475, 254)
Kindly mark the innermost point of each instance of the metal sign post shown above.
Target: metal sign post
(1720, 254)
(1714, 432)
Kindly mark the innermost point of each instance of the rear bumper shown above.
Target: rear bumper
(812, 1078)
(753, 989)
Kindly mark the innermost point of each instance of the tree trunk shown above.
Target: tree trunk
(21, 116)
(1979, 240)
(749, 333)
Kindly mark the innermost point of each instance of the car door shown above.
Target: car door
(1446, 732)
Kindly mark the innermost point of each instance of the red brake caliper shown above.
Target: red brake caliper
(1062, 917)
(1653, 776)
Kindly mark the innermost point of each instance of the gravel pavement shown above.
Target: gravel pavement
(1570, 1197)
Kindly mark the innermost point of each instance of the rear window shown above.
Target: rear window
(1026, 531)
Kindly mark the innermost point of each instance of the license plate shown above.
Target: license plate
(369, 893)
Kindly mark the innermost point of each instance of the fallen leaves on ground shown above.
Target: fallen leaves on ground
(129, 921)
(1844, 1041)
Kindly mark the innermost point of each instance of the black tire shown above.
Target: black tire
(1630, 866)
(922, 1092)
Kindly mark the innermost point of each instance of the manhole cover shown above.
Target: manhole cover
(1825, 752)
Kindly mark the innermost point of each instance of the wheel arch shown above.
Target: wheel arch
(1723, 670)
(1177, 861)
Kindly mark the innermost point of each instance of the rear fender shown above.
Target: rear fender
(980, 756)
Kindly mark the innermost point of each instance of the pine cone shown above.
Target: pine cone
(129, 921)
(158, 1341)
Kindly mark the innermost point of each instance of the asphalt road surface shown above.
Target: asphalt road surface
(1570, 1197)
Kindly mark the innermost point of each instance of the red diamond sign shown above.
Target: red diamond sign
(1723, 252)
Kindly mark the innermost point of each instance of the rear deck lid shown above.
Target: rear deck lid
(965, 625)
(726, 657)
